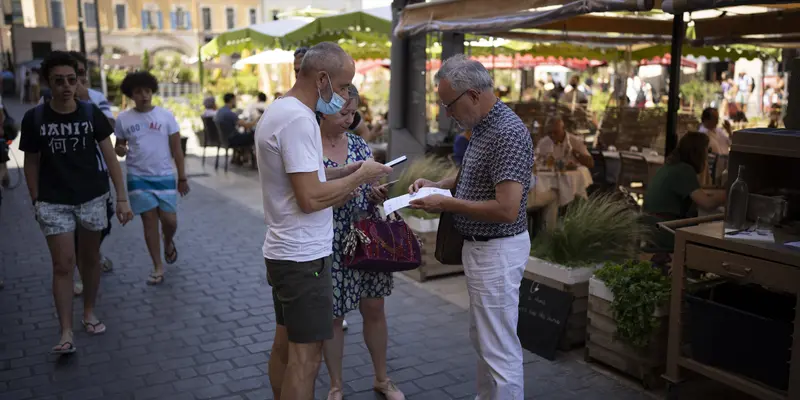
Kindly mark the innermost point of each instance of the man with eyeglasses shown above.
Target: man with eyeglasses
(87, 94)
(69, 188)
(489, 206)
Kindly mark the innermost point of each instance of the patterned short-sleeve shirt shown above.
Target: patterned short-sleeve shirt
(500, 149)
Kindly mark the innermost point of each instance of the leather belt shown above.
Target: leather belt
(486, 238)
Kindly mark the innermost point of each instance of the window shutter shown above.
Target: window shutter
(173, 20)
(160, 17)
(188, 16)
(144, 20)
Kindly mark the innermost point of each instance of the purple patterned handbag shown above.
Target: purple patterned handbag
(379, 245)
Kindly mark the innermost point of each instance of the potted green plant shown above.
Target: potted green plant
(628, 309)
(594, 230)
(431, 168)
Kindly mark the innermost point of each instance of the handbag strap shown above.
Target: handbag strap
(455, 183)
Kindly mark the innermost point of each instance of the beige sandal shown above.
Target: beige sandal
(335, 394)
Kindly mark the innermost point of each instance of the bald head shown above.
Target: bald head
(325, 56)
(329, 68)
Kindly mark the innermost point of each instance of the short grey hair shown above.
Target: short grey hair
(464, 74)
(325, 56)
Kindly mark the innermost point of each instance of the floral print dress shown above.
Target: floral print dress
(351, 285)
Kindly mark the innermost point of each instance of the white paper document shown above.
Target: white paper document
(394, 204)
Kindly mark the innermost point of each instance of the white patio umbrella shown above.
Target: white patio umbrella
(269, 57)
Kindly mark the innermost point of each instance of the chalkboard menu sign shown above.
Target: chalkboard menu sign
(543, 314)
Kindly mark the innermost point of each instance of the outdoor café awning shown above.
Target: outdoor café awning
(269, 57)
(479, 16)
(370, 25)
(254, 37)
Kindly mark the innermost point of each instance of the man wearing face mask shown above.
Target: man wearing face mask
(298, 193)
(489, 207)
(358, 126)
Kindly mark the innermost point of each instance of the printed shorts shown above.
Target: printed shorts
(150, 192)
(55, 219)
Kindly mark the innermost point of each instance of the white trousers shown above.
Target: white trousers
(494, 272)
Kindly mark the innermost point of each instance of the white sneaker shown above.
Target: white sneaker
(344, 324)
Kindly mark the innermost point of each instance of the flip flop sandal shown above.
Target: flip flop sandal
(97, 328)
(155, 279)
(106, 264)
(63, 348)
(171, 257)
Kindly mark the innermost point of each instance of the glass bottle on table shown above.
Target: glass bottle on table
(736, 209)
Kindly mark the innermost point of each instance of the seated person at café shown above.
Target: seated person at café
(254, 110)
(210, 106)
(675, 193)
(229, 124)
(719, 139)
(559, 146)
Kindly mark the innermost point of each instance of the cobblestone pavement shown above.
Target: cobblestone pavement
(206, 332)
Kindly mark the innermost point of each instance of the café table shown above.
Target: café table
(568, 184)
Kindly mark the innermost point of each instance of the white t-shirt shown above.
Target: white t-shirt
(288, 141)
(148, 135)
(718, 139)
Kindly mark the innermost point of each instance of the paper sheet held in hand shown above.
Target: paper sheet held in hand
(392, 205)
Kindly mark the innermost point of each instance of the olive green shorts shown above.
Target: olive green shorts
(302, 293)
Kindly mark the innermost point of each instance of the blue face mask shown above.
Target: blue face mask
(333, 106)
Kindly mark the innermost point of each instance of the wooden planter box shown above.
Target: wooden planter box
(646, 364)
(571, 280)
(426, 231)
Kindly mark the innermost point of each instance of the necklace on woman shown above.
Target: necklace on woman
(334, 142)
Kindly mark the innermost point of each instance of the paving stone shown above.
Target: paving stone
(207, 331)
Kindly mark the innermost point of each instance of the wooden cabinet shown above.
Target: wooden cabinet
(775, 266)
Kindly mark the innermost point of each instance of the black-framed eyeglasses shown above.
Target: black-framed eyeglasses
(450, 104)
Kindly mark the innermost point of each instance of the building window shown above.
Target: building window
(57, 14)
(206, 19)
(253, 16)
(147, 20)
(89, 15)
(17, 16)
(275, 14)
(122, 16)
(230, 18)
(180, 19)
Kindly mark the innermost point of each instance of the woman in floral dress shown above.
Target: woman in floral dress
(354, 288)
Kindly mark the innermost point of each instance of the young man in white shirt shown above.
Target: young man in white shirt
(298, 194)
(154, 138)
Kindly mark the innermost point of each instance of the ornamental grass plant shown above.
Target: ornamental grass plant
(593, 231)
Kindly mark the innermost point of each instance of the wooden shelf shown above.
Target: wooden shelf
(738, 382)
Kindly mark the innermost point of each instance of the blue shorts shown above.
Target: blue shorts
(150, 192)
